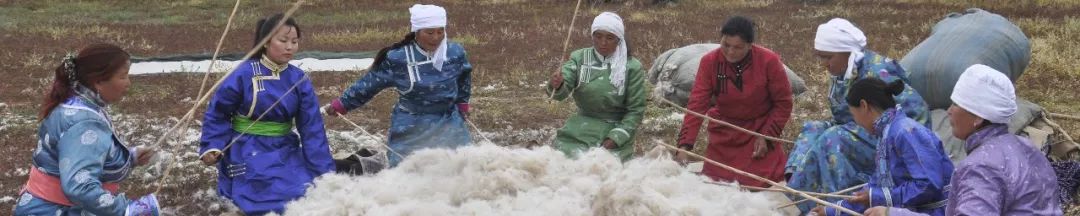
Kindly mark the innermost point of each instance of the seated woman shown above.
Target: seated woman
(608, 86)
(833, 155)
(80, 160)
(743, 83)
(432, 77)
(1003, 174)
(262, 163)
(912, 168)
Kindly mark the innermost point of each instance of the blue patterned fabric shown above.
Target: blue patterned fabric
(77, 144)
(837, 154)
(873, 65)
(912, 169)
(426, 114)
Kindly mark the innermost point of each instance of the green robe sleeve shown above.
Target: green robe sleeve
(570, 76)
(635, 105)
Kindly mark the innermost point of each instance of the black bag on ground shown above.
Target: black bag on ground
(363, 162)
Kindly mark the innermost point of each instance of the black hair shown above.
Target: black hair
(265, 27)
(739, 26)
(93, 64)
(379, 58)
(875, 92)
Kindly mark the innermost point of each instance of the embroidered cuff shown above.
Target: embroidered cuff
(830, 211)
(885, 192)
(208, 151)
(134, 152)
(619, 135)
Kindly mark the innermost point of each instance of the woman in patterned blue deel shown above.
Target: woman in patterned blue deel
(80, 160)
(836, 154)
(433, 80)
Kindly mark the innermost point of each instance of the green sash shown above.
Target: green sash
(263, 128)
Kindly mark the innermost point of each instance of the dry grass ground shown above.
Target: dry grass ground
(514, 45)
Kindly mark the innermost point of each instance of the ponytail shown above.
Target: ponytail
(379, 58)
(93, 64)
(59, 90)
(875, 92)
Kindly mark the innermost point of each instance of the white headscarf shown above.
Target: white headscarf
(839, 35)
(612, 23)
(430, 16)
(985, 92)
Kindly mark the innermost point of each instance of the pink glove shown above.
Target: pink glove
(334, 108)
(464, 109)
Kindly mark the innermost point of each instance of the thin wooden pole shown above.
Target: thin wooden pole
(726, 124)
(369, 134)
(848, 190)
(759, 178)
(191, 112)
(562, 55)
(1064, 116)
(807, 192)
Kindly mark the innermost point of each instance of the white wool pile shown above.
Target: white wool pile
(492, 180)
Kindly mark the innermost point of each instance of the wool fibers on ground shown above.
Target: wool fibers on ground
(493, 180)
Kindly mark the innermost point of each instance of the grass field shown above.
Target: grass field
(513, 44)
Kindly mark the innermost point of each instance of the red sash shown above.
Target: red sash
(47, 187)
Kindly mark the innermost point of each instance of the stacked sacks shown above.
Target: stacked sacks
(980, 37)
(673, 73)
(959, 41)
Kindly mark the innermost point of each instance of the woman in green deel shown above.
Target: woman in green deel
(609, 89)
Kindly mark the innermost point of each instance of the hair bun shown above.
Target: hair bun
(895, 87)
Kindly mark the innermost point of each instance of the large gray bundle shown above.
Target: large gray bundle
(959, 41)
(673, 73)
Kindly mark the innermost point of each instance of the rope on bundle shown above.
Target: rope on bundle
(1059, 129)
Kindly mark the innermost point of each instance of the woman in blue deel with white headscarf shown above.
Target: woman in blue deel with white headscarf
(433, 80)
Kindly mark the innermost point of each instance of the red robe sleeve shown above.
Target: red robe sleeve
(700, 96)
(780, 94)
